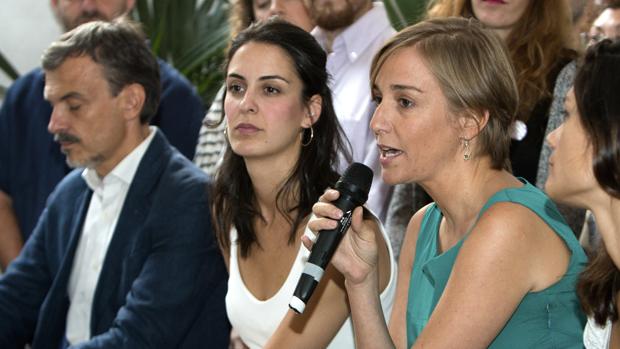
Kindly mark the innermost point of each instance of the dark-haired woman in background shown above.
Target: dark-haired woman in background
(585, 172)
(284, 140)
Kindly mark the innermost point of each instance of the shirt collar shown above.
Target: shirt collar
(124, 170)
(359, 35)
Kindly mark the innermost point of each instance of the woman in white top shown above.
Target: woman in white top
(585, 172)
(284, 141)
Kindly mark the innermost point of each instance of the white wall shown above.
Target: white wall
(27, 27)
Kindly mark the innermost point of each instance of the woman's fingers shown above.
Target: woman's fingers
(307, 241)
(326, 215)
(329, 195)
(357, 219)
(326, 210)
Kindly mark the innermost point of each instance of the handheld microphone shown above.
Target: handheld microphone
(353, 187)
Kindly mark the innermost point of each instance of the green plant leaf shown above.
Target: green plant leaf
(142, 14)
(191, 35)
(405, 12)
(203, 50)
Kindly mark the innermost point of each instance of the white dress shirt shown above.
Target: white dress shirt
(349, 66)
(104, 210)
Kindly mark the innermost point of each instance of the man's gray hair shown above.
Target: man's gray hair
(121, 49)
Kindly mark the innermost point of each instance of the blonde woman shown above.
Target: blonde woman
(490, 263)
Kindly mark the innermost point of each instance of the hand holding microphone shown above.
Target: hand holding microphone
(351, 192)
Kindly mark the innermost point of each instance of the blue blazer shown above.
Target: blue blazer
(163, 281)
(31, 163)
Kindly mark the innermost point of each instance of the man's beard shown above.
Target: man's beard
(90, 162)
(330, 19)
(85, 17)
(70, 24)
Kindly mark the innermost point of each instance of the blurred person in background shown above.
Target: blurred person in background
(607, 24)
(351, 32)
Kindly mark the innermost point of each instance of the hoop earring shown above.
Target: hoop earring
(467, 152)
(309, 140)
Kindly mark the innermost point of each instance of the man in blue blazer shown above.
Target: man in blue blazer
(123, 255)
(32, 164)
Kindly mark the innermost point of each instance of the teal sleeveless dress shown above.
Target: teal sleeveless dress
(551, 318)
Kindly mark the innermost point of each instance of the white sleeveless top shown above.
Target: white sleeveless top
(256, 320)
(596, 337)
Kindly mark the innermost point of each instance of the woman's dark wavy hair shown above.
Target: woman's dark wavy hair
(596, 92)
(233, 202)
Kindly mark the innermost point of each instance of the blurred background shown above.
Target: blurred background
(190, 34)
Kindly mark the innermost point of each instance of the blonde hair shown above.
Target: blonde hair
(542, 38)
(474, 73)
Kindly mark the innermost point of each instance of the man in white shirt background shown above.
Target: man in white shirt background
(352, 31)
(123, 255)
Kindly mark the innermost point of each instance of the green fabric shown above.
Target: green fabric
(551, 318)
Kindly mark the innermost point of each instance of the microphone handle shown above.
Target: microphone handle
(328, 241)
(322, 252)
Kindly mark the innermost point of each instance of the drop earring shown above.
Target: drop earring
(467, 152)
